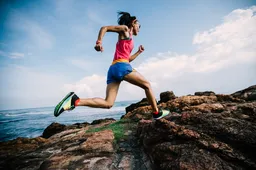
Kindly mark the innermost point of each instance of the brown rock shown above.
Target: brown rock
(143, 112)
(102, 121)
(99, 142)
(125, 162)
(53, 129)
(166, 96)
(20, 144)
(81, 150)
(143, 102)
(78, 125)
(205, 93)
(204, 137)
(248, 94)
(182, 103)
(205, 107)
(228, 98)
(75, 149)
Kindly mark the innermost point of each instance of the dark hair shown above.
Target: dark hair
(125, 18)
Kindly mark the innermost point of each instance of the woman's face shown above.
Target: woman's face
(136, 28)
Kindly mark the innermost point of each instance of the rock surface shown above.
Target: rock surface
(203, 131)
(206, 93)
(248, 94)
(143, 102)
(73, 147)
(166, 96)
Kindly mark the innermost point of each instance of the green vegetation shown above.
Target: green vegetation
(118, 128)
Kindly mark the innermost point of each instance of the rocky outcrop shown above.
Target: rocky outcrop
(248, 94)
(206, 93)
(55, 128)
(100, 121)
(81, 151)
(77, 148)
(203, 131)
(143, 102)
(166, 96)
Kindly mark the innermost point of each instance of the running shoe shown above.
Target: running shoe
(67, 103)
(162, 113)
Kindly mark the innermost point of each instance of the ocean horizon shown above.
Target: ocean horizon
(31, 122)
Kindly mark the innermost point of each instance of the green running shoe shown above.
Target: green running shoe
(67, 103)
(162, 113)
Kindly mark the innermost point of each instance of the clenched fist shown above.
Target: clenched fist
(141, 48)
(98, 47)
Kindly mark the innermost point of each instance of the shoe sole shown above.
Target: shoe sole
(56, 110)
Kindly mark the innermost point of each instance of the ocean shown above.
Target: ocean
(32, 122)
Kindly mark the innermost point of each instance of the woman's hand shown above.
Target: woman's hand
(141, 48)
(98, 47)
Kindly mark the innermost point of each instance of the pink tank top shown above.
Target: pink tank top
(123, 49)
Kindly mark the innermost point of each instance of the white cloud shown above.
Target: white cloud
(237, 28)
(91, 86)
(13, 55)
(225, 59)
(16, 55)
(232, 42)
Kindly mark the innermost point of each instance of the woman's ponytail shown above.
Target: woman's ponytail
(125, 18)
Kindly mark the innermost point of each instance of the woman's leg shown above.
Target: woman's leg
(111, 93)
(137, 79)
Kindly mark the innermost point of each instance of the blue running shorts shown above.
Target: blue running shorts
(117, 71)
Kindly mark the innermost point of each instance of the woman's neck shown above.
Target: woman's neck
(130, 30)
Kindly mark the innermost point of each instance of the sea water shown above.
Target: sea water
(32, 122)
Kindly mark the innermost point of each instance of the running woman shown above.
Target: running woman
(119, 70)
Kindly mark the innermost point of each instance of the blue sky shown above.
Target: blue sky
(46, 48)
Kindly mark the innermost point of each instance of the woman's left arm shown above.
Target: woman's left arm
(140, 50)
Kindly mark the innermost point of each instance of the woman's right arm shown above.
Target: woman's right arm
(120, 29)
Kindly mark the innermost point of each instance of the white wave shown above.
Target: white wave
(28, 113)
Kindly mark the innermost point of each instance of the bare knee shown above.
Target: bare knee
(108, 105)
(146, 86)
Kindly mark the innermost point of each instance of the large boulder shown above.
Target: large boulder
(52, 129)
(55, 128)
(166, 96)
(143, 102)
(205, 93)
(143, 112)
(95, 151)
(20, 145)
(248, 94)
